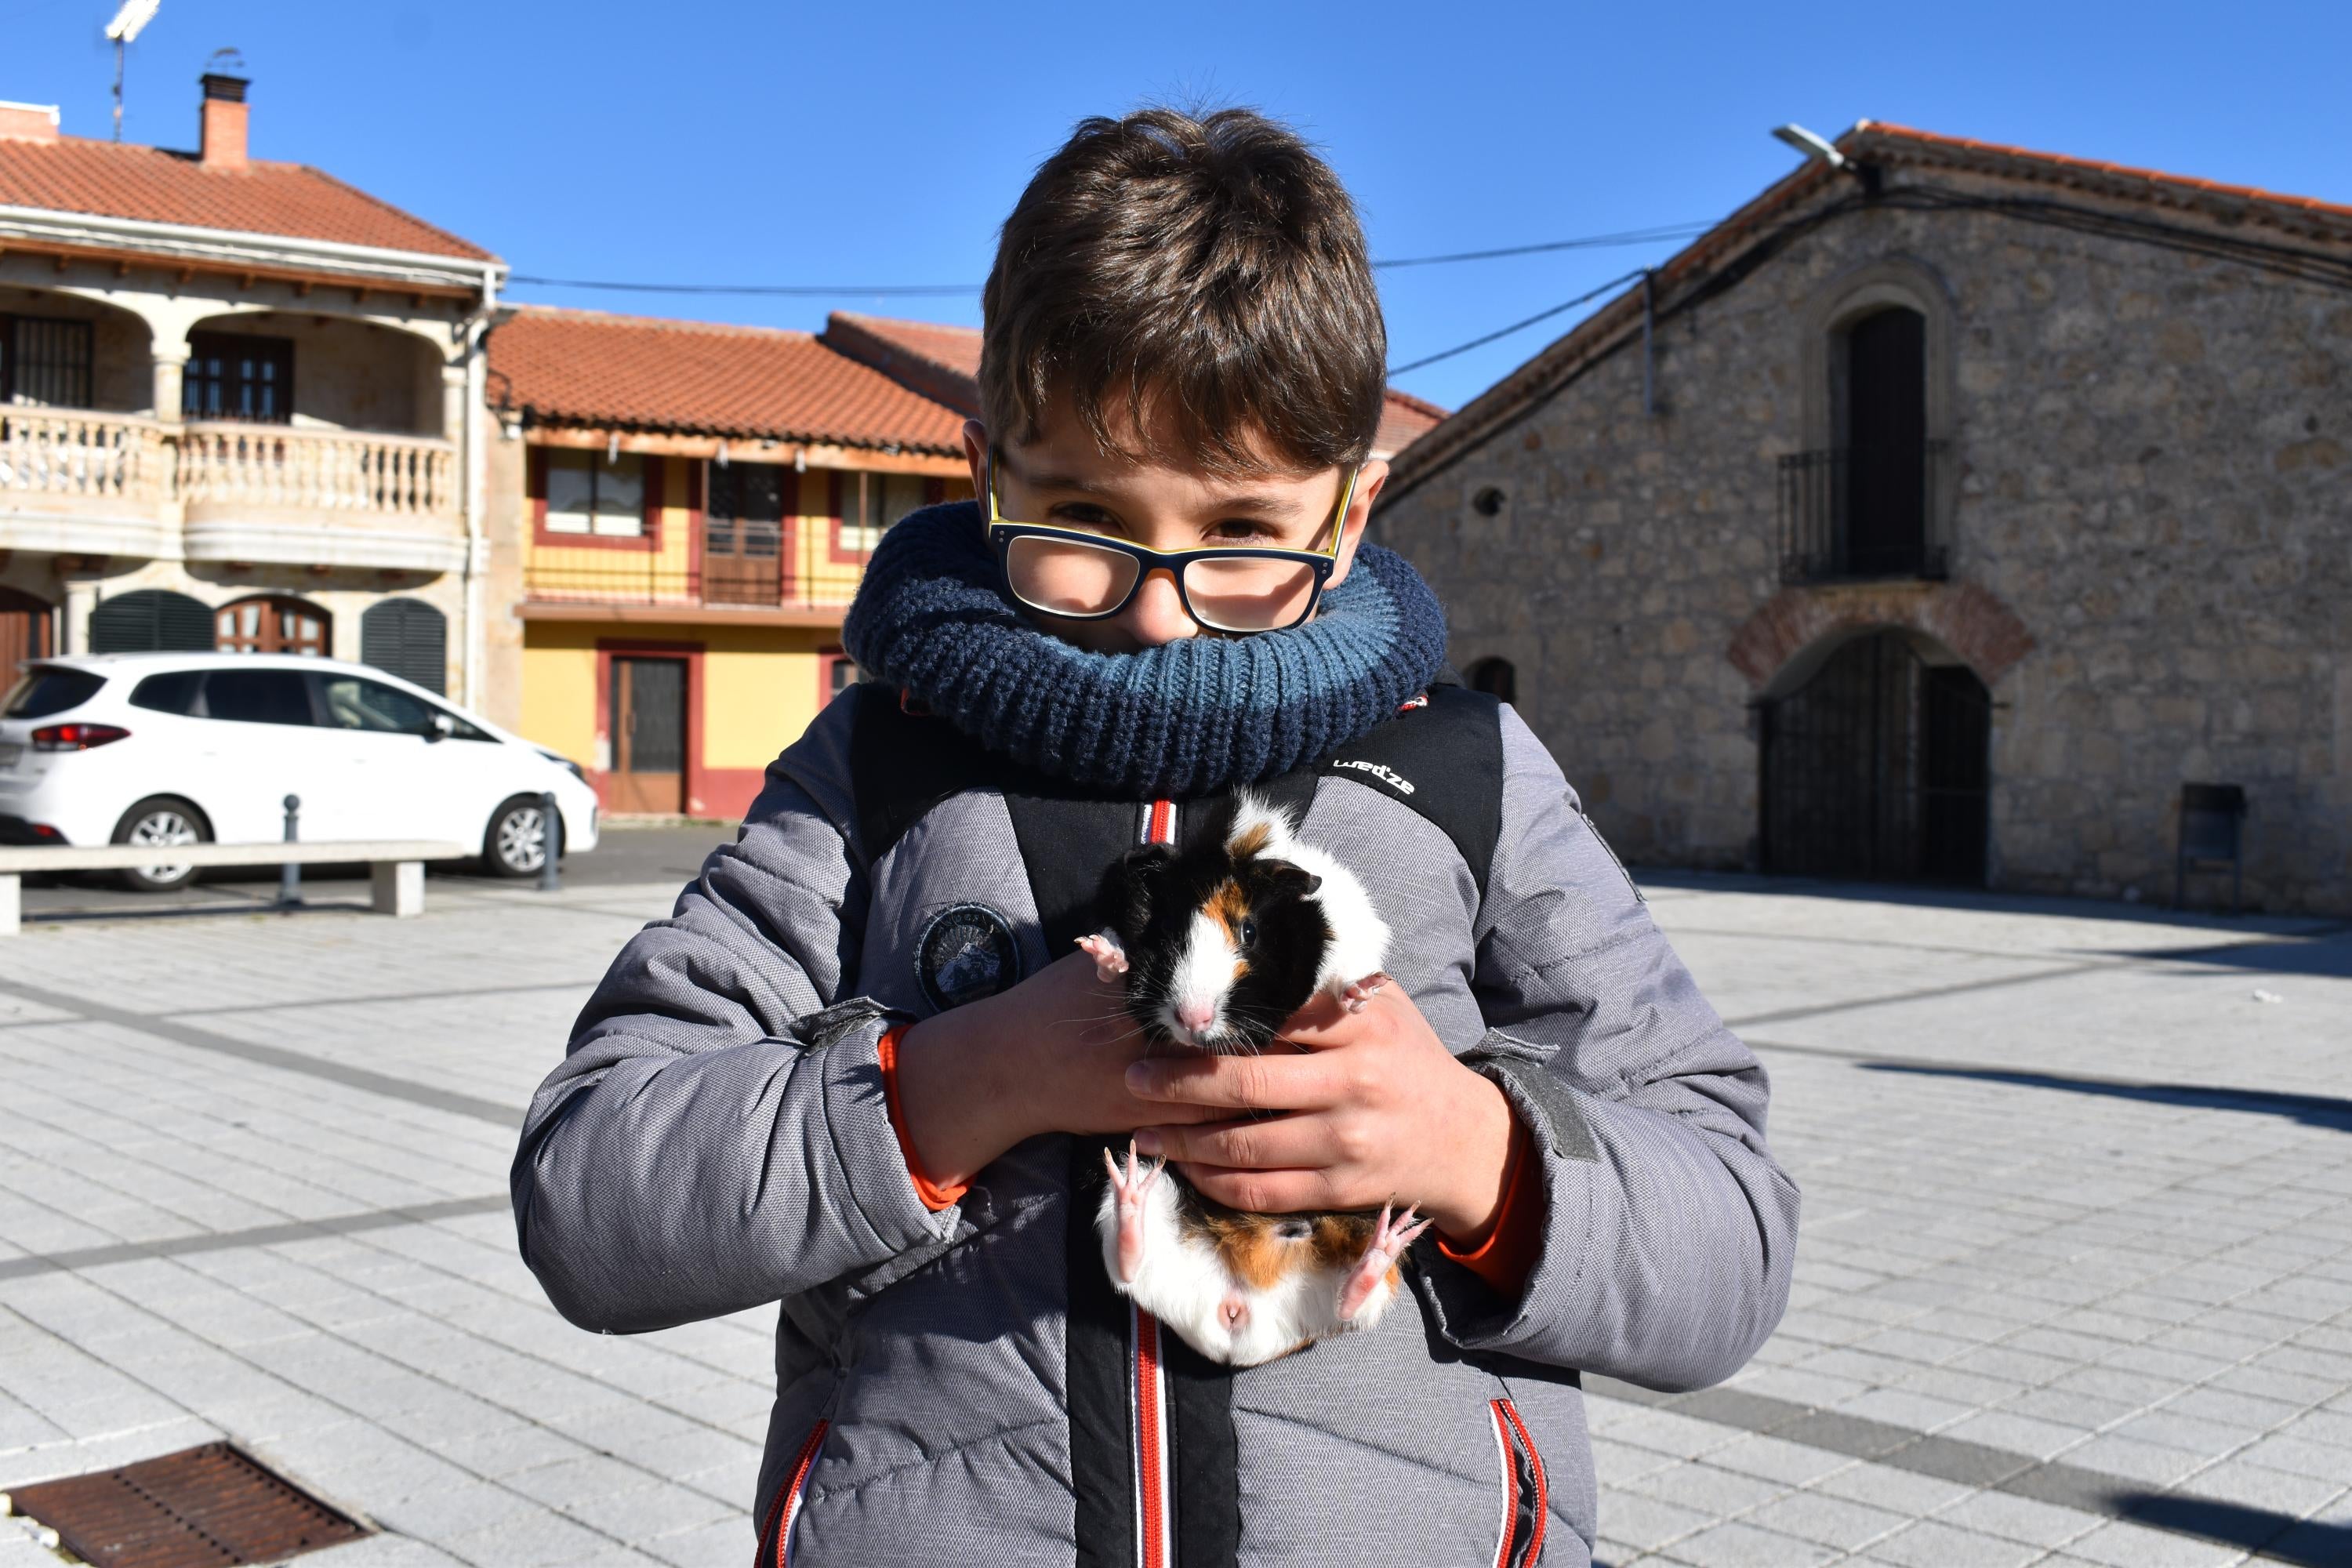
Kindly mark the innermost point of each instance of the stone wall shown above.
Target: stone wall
(2151, 520)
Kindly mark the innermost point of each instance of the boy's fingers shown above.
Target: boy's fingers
(1264, 1191)
(1274, 1143)
(1251, 1083)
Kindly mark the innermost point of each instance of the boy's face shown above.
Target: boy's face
(1063, 478)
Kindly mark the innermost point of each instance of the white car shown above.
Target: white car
(190, 748)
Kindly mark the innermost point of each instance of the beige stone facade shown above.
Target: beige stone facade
(2137, 404)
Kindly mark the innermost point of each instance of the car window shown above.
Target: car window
(45, 690)
(354, 702)
(172, 692)
(257, 696)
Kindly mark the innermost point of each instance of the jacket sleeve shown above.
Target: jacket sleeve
(1668, 1230)
(715, 1136)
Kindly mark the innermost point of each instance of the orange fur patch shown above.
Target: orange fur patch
(1229, 906)
(1252, 839)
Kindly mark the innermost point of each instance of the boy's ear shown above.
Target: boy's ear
(1375, 474)
(975, 454)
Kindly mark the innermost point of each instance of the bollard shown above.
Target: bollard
(289, 874)
(551, 838)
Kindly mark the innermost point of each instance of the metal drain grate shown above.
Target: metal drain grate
(201, 1507)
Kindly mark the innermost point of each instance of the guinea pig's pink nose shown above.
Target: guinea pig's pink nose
(1196, 1016)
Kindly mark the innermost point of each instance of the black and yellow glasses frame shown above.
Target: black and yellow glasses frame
(1003, 532)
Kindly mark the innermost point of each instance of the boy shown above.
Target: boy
(861, 1071)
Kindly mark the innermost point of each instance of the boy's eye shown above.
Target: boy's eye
(1077, 514)
(1248, 931)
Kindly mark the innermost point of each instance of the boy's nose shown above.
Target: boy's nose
(1157, 615)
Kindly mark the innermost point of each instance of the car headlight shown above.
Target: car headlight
(566, 764)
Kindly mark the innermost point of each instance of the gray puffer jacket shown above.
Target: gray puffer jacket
(963, 1387)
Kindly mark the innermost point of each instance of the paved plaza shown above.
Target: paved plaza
(2075, 1283)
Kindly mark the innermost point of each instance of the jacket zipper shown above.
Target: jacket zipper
(785, 1511)
(1526, 1495)
(1147, 1378)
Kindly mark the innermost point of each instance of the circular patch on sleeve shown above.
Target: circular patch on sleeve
(967, 953)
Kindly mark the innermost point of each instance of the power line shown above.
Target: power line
(951, 291)
(1398, 369)
(1631, 237)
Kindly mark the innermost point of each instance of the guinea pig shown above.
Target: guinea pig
(1218, 945)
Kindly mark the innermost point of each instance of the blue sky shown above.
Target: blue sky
(881, 143)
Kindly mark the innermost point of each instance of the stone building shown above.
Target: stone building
(240, 406)
(1940, 515)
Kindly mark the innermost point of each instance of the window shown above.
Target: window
(1495, 678)
(408, 637)
(257, 696)
(232, 376)
(1487, 502)
(265, 624)
(837, 673)
(45, 362)
(42, 692)
(151, 620)
(354, 702)
(870, 504)
(173, 692)
(588, 492)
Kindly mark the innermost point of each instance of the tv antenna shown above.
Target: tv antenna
(134, 14)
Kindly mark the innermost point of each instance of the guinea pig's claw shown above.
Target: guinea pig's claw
(1111, 958)
(1389, 1242)
(1359, 994)
(1130, 1186)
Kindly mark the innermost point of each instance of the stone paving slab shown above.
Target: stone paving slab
(2074, 1285)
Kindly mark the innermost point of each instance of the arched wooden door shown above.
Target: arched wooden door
(272, 624)
(28, 631)
(1878, 767)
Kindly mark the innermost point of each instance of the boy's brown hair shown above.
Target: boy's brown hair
(1209, 272)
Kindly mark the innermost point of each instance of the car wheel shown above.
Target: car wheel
(516, 842)
(161, 820)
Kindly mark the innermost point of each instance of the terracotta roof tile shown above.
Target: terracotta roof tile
(954, 351)
(586, 367)
(77, 174)
(2060, 162)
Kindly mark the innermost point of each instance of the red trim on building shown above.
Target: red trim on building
(788, 540)
(837, 532)
(694, 536)
(828, 660)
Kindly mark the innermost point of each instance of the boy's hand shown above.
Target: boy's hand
(1048, 1055)
(1375, 1109)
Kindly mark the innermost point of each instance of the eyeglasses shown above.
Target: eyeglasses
(1084, 577)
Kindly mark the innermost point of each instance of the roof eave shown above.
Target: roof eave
(234, 249)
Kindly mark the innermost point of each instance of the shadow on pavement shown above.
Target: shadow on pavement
(1915, 896)
(2277, 1537)
(2311, 1110)
(2311, 955)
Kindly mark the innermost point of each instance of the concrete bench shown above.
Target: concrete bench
(396, 865)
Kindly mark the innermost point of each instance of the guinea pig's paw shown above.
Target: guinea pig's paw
(1130, 1186)
(1389, 1242)
(1359, 994)
(1110, 958)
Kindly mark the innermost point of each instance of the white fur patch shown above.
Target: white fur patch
(1360, 937)
(1184, 1283)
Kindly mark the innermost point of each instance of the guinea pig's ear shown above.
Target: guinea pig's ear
(1285, 877)
(1123, 901)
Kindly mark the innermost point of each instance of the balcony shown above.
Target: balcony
(123, 484)
(559, 584)
(1855, 513)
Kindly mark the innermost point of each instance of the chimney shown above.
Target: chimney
(28, 121)
(224, 122)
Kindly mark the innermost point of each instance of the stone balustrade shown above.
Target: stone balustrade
(286, 468)
(113, 462)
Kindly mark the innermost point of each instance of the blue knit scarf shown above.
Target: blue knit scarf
(1189, 717)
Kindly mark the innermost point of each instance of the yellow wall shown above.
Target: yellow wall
(759, 691)
(559, 687)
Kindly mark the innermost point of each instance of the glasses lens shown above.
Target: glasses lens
(1248, 594)
(1066, 577)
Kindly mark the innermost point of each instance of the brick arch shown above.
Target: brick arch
(1971, 621)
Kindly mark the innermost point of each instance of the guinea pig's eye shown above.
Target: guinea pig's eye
(1249, 931)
